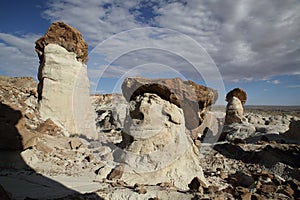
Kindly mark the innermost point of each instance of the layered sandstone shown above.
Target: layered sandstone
(63, 83)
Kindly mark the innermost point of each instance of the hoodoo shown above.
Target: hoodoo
(63, 83)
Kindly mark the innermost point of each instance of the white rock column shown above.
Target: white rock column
(65, 92)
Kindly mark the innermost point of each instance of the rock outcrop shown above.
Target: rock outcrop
(238, 93)
(111, 111)
(18, 115)
(65, 36)
(236, 98)
(63, 83)
(159, 149)
(191, 97)
(294, 130)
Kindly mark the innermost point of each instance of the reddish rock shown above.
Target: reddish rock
(65, 36)
(197, 185)
(191, 97)
(239, 93)
(49, 128)
(116, 173)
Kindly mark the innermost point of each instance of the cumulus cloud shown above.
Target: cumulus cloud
(246, 39)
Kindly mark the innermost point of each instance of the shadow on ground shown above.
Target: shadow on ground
(17, 179)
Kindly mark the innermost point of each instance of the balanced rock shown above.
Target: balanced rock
(191, 97)
(66, 37)
(63, 83)
(234, 109)
(239, 93)
(159, 149)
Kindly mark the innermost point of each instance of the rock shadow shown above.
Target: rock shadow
(267, 156)
(17, 179)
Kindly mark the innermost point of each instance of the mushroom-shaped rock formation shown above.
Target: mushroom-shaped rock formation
(191, 97)
(239, 93)
(159, 149)
(236, 98)
(63, 83)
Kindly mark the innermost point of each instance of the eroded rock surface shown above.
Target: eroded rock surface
(234, 111)
(160, 150)
(64, 85)
(65, 36)
(238, 93)
(191, 97)
(111, 111)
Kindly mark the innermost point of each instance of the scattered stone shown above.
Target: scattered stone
(165, 184)
(197, 185)
(75, 144)
(241, 179)
(49, 128)
(116, 173)
(30, 157)
(244, 193)
(268, 188)
(140, 189)
(90, 157)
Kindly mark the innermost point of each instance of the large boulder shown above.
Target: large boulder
(294, 130)
(63, 83)
(237, 132)
(159, 149)
(191, 97)
(65, 36)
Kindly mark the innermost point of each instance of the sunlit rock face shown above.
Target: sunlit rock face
(194, 99)
(63, 83)
(236, 98)
(234, 112)
(159, 149)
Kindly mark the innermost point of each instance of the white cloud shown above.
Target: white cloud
(248, 40)
(275, 82)
(17, 55)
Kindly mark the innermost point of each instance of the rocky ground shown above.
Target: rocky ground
(259, 160)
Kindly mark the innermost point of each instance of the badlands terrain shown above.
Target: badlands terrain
(159, 139)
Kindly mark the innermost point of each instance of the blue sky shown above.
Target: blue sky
(223, 44)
